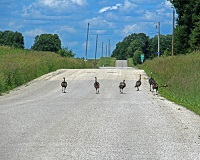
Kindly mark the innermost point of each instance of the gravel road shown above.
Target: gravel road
(39, 122)
(121, 63)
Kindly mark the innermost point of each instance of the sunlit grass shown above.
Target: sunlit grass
(18, 67)
(106, 62)
(182, 74)
(130, 62)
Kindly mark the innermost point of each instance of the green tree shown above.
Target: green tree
(64, 52)
(120, 51)
(47, 42)
(13, 39)
(195, 37)
(167, 52)
(181, 44)
(136, 57)
(130, 44)
(188, 15)
(165, 42)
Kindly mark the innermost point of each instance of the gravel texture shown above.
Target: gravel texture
(39, 122)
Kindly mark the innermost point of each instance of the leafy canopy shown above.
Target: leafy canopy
(47, 42)
(12, 39)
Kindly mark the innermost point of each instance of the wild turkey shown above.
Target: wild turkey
(64, 85)
(138, 83)
(151, 81)
(122, 85)
(96, 85)
(155, 86)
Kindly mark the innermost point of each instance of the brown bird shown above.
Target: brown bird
(151, 81)
(64, 85)
(96, 85)
(155, 86)
(138, 83)
(122, 85)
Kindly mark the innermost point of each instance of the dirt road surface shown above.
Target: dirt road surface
(39, 122)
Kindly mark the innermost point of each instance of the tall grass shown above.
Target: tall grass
(182, 74)
(106, 62)
(130, 62)
(18, 67)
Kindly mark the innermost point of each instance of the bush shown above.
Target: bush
(136, 57)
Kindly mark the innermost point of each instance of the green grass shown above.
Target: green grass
(182, 74)
(130, 62)
(106, 62)
(18, 67)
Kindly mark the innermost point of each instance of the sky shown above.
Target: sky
(111, 20)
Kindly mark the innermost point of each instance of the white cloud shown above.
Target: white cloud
(168, 4)
(44, 7)
(79, 2)
(99, 22)
(67, 29)
(150, 16)
(33, 33)
(100, 31)
(61, 3)
(128, 6)
(11, 24)
(144, 1)
(161, 11)
(129, 29)
(116, 7)
(143, 27)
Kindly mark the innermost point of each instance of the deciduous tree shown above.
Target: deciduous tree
(47, 42)
(13, 39)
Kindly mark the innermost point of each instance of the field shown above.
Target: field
(182, 74)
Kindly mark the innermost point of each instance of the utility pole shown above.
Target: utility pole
(96, 48)
(87, 42)
(109, 48)
(173, 32)
(106, 51)
(102, 49)
(158, 39)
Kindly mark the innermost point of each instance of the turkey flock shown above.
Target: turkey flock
(122, 85)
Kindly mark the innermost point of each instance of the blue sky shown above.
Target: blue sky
(109, 19)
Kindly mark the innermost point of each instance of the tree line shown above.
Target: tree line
(135, 44)
(187, 31)
(43, 42)
(186, 36)
(13, 39)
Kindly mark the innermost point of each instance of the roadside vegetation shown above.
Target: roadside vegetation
(106, 62)
(130, 62)
(181, 74)
(18, 66)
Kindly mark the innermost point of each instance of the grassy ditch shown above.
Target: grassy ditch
(182, 74)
